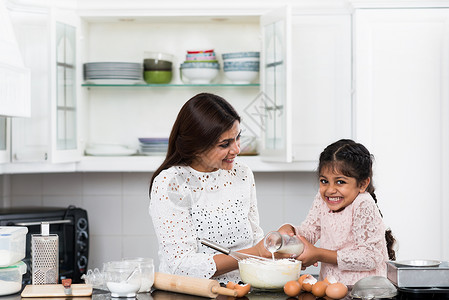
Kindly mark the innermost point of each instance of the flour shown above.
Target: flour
(269, 274)
(9, 287)
(146, 283)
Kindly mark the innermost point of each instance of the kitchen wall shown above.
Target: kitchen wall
(117, 205)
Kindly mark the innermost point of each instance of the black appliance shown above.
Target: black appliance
(69, 223)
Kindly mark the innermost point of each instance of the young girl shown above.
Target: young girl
(345, 218)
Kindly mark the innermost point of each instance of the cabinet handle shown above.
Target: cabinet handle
(39, 223)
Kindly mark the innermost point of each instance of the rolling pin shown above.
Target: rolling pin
(190, 285)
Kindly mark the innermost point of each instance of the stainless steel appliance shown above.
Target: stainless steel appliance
(69, 223)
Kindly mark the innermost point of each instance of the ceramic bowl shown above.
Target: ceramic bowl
(157, 61)
(201, 56)
(241, 66)
(241, 56)
(151, 64)
(200, 65)
(159, 77)
(241, 77)
(198, 75)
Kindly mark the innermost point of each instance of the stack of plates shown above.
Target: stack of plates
(153, 146)
(113, 72)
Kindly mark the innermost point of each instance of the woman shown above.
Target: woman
(200, 191)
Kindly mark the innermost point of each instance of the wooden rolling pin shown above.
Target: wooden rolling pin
(190, 285)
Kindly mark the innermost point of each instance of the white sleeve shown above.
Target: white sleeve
(254, 212)
(178, 245)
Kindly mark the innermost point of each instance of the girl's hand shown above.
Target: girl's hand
(287, 229)
(309, 256)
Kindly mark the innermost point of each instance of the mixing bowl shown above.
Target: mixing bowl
(122, 278)
(271, 275)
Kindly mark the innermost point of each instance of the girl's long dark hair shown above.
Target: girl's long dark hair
(354, 160)
(198, 126)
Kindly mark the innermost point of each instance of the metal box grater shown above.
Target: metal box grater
(44, 257)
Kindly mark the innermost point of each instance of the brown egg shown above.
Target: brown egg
(319, 288)
(230, 285)
(242, 290)
(292, 288)
(308, 282)
(330, 279)
(306, 296)
(302, 277)
(336, 290)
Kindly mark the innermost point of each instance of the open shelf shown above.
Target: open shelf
(172, 85)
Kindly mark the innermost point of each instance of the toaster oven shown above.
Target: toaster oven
(69, 223)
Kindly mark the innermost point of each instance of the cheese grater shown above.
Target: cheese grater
(44, 256)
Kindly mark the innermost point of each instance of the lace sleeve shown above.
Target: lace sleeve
(169, 209)
(310, 228)
(369, 240)
(253, 215)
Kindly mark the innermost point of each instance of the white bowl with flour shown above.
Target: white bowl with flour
(269, 275)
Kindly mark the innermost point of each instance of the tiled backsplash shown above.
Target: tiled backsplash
(117, 205)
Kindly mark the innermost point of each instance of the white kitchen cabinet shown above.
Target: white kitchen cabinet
(4, 140)
(14, 76)
(47, 39)
(306, 82)
(276, 85)
(310, 81)
(321, 82)
(402, 115)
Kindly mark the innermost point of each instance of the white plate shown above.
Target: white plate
(110, 150)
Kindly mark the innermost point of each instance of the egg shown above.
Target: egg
(242, 290)
(308, 282)
(292, 288)
(336, 290)
(306, 296)
(330, 279)
(302, 277)
(319, 288)
(230, 285)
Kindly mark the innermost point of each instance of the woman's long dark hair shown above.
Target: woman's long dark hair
(198, 126)
(354, 160)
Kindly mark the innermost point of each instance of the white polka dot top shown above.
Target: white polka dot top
(187, 205)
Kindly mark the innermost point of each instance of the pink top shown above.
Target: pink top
(357, 233)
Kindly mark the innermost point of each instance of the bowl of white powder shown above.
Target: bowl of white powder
(269, 275)
(122, 278)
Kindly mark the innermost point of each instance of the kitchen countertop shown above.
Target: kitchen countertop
(254, 295)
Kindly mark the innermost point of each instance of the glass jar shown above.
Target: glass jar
(283, 243)
(147, 272)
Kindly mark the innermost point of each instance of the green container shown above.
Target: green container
(157, 76)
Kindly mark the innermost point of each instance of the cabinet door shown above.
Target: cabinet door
(276, 85)
(48, 39)
(402, 116)
(65, 80)
(14, 77)
(321, 89)
(4, 140)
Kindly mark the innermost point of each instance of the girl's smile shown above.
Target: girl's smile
(338, 190)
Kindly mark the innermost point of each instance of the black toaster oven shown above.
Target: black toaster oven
(69, 223)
